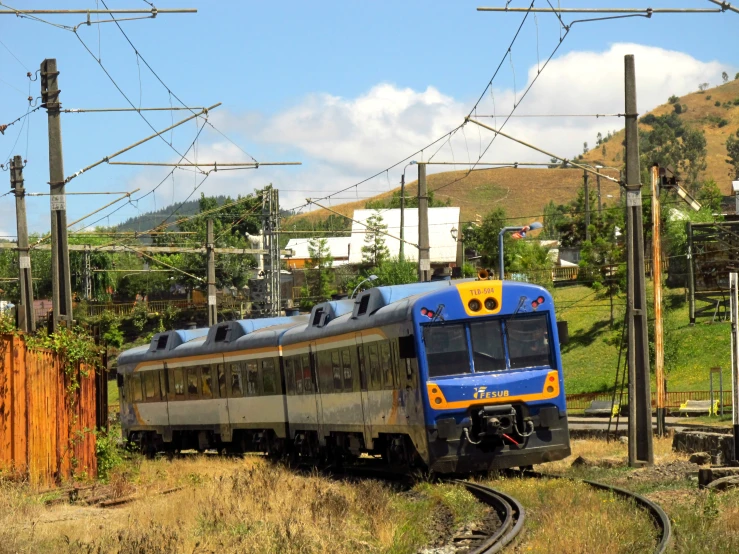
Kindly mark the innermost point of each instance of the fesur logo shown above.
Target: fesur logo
(479, 392)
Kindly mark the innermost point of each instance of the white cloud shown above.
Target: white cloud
(342, 140)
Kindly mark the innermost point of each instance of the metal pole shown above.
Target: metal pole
(640, 409)
(210, 247)
(691, 274)
(401, 253)
(87, 274)
(710, 386)
(734, 301)
(587, 206)
(61, 280)
(721, 389)
(600, 203)
(659, 347)
(424, 259)
(26, 321)
(501, 264)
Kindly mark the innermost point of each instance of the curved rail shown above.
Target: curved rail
(509, 510)
(658, 515)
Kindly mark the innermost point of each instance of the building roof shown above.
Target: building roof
(441, 222)
(338, 247)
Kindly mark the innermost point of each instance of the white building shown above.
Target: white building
(339, 248)
(441, 238)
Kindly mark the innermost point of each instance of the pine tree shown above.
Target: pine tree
(374, 251)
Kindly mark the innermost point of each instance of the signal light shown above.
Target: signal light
(491, 304)
(430, 314)
(540, 300)
(424, 311)
(534, 304)
(474, 305)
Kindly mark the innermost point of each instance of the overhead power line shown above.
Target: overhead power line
(643, 11)
(153, 12)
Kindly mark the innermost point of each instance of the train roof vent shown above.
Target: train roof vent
(324, 312)
(162, 342)
(368, 303)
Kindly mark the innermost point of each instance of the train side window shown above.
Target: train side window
(268, 376)
(336, 370)
(163, 383)
(136, 387)
(346, 367)
(151, 386)
(179, 383)
(207, 382)
(307, 377)
(289, 375)
(387, 370)
(374, 363)
(252, 378)
(298, 375)
(325, 371)
(193, 391)
(237, 389)
(396, 361)
(221, 372)
(407, 347)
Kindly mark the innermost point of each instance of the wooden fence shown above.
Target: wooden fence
(46, 424)
(673, 400)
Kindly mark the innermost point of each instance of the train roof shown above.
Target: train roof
(375, 306)
(161, 344)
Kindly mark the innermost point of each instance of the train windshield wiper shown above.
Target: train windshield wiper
(437, 317)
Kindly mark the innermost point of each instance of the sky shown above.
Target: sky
(348, 89)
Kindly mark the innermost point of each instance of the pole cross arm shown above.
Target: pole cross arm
(560, 158)
(204, 111)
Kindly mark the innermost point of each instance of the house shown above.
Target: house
(443, 229)
(339, 248)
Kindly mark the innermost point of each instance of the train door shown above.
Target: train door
(364, 380)
(317, 390)
(167, 396)
(220, 385)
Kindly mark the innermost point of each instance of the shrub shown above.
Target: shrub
(736, 101)
(722, 123)
(717, 103)
(648, 119)
(708, 97)
(678, 108)
(673, 99)
(736, 77)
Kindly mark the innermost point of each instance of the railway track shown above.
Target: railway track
(510, 511)
(659, 517)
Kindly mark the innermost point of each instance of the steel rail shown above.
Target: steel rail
(658, 515)
(510, 511)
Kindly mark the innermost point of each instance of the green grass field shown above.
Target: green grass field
(590, 358)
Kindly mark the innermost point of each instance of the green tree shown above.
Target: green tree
(394, 272)
(374, 251)
(318, 277)
(484, 238)
(554, 216)
(732, 149)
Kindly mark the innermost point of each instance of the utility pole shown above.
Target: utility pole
(271, 238)
(401, 254)
(587, 206)
(600, 203)
(210, 247)
(734, 306)
(424, 258)
(61, 280)
(659, 347)
(640, 409)
(26, 321)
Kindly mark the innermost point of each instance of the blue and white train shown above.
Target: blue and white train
(453, 376)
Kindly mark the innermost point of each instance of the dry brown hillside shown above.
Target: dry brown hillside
(524, 192)
(702, 113)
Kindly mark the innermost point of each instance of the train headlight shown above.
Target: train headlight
(491, 304)
(474, 305)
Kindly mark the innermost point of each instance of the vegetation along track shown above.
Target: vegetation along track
(658, 515)
(509, 510)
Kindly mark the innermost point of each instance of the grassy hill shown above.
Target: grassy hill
(590, 358)
(702, 113)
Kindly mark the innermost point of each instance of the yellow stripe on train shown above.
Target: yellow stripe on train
(439, 402)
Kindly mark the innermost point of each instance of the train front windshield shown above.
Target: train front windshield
(497, 344)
